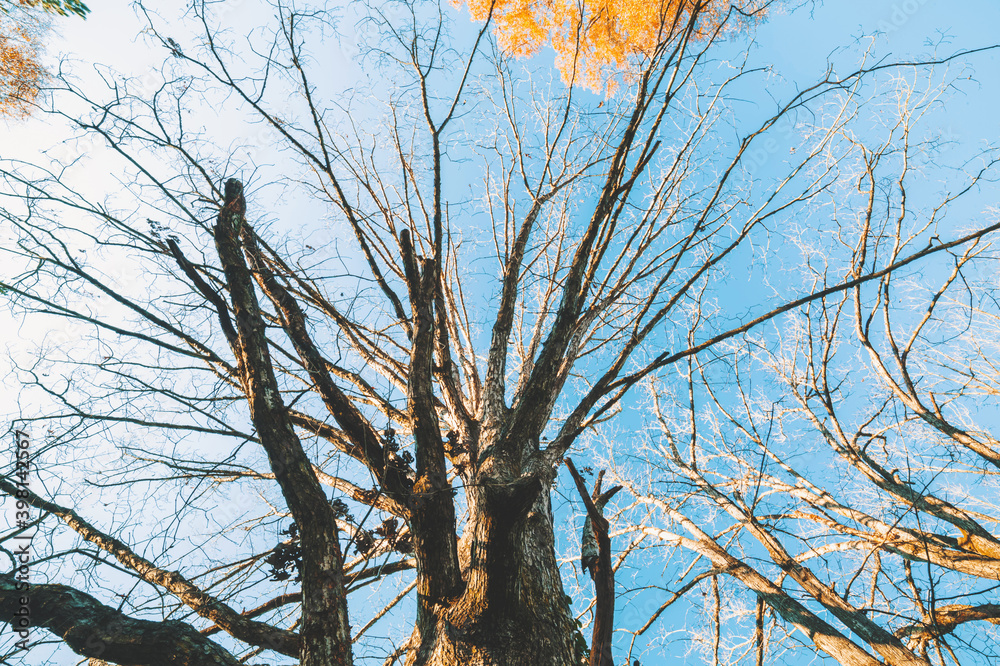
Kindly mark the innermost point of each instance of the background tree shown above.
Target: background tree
(841, 469)
(850, 485)
(389, 400)
(597, 42)
(22, 28)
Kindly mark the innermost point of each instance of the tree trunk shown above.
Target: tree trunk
(513, 610)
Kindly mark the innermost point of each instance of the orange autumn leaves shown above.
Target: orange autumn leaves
(21, 71)
(23, 23)
(598, 39)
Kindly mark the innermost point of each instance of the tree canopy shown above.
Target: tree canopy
(22, 30)
(21, 71)
(595, 42)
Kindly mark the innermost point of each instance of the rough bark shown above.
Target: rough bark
(363, 440)
(946, 619)
(495, 596)
(596, 528)
(94, 630)
(432, 509)
(513, 610)
(325, 633)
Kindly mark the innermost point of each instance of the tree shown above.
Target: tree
(21, 71)
(22, 28)
(596, 41)
(894, 382)
(303, 419)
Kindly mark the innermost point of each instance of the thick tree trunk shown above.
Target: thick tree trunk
(513, 610)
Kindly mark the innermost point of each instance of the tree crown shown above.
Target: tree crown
(597, 41)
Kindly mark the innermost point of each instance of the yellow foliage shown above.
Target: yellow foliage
(598, 39)
(21, 72)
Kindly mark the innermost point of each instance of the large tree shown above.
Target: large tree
(389, 398)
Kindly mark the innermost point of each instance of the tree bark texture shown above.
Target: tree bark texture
(513, 609)
(595, 530)
(92, 629)
(325, 633)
